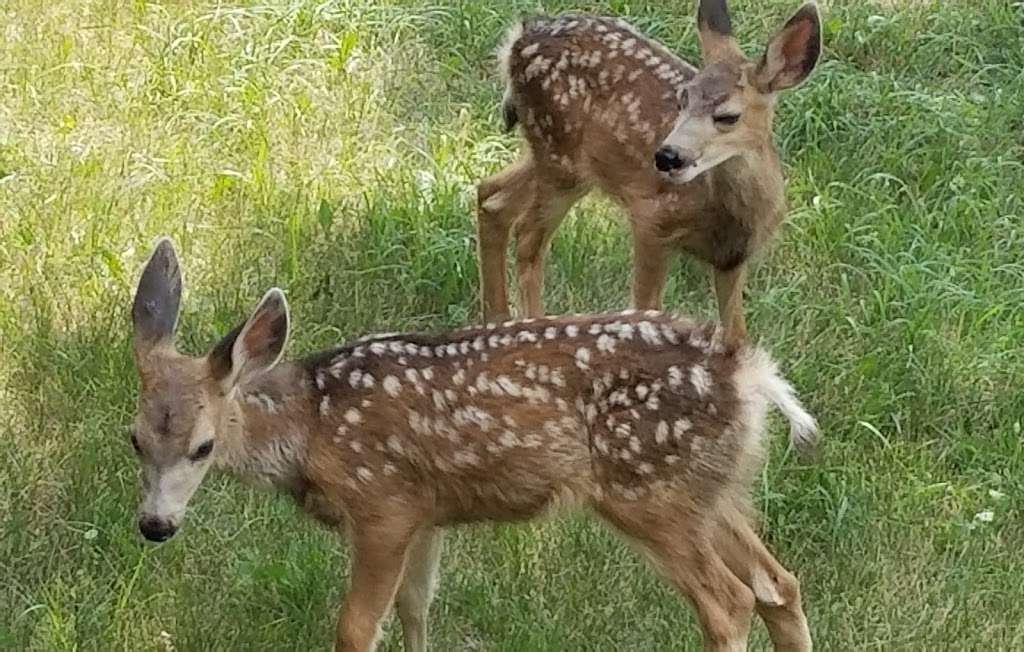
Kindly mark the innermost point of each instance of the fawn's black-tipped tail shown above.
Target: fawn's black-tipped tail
(509, 114)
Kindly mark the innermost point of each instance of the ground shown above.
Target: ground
(332, 149)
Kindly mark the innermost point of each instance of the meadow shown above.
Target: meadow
(332, 148)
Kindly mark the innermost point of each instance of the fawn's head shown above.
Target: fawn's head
(183, 400)
(727, 108)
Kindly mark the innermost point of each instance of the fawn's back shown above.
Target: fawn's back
(502, 423)
(595, 98)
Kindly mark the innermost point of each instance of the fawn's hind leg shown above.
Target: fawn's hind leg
(552, 199)
(776, 590)
(501, 200)
(681, 550)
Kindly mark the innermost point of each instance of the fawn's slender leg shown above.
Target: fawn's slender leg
(687, 558)
(379, 558)
(650, 270)
(501, 200)
(729, 290)
(551, 201)
(776, 590)
(417, 589)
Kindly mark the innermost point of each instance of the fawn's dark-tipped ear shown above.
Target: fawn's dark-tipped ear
(254, 346)
(793, 53)
(714, 26)
(157, 299)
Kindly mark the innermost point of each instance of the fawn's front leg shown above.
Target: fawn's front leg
(378, 563)
(650, 270)
(729, 291)
(417, 589)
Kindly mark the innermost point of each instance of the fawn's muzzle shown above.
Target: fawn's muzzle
(669, 159)
(155, 529)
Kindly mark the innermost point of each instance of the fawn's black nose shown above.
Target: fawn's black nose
(155, 529)
(668, 158)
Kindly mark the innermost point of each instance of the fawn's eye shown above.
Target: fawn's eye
(202, 452)
(727, 119)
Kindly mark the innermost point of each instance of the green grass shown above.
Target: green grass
(332, 149)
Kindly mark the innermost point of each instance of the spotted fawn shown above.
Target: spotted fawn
(652, 422)
(689, 154)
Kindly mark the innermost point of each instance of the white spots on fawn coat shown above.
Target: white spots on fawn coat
(413, 376)
(353, 416)
(510, 388)
(364, 474)
(466, 458)
(583, 357)
(392, 386)
(606, 343)
(680, 427)
(526, 336)
(440, 404)
(395, 444)
(669, 334)
(649, 333)
(509, 439)
(661, 432)
(325, 405)
(675, 377)
(700, 379)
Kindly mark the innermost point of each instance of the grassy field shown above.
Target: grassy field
(332, 149)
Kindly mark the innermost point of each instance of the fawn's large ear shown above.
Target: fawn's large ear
(157, 299)
(793, 53)
(714, 27)
(254, 346)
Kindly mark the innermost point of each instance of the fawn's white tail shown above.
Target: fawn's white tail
(774, 388)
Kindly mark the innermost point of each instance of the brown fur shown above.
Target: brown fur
(648, 420)
(595, 99)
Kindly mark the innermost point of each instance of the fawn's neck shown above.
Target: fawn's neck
(752, 185)
(267, 427)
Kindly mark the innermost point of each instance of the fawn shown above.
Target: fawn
(688, 154)
(652, 422)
